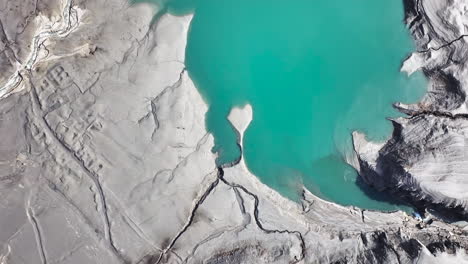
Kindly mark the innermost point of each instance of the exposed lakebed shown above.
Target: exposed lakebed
(313, 71)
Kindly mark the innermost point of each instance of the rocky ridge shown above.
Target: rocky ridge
(105, 159)
(425, 158)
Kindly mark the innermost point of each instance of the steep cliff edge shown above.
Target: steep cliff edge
(105, 158)
(425, 160)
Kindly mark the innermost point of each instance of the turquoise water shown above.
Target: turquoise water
(313, 71)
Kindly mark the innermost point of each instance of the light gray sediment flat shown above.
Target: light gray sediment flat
(105, 158)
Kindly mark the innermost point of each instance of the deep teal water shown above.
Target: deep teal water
(314, 71)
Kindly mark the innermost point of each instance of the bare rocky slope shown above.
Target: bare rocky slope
(426, 160)
(105, 158)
